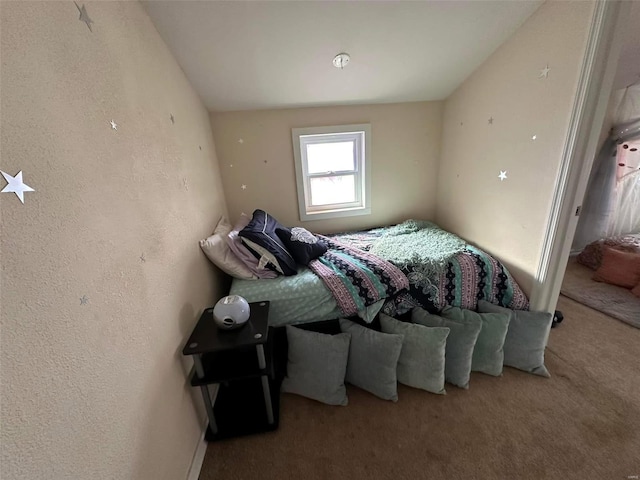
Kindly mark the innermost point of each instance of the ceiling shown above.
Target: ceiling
(243, 55)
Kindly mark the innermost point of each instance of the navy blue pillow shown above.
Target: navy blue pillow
(303, 245)
(260, 236)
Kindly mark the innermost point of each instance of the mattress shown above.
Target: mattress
(300, 298)
(466, 275)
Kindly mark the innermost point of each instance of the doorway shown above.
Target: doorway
(612, 33)
(606, 40)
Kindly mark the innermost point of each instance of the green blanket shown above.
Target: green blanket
(417, 241)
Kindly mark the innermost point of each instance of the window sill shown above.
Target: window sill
(327, 214)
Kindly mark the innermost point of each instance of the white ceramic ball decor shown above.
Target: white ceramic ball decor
(231, 312)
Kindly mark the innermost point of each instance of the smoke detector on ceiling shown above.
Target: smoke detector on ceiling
(341, 60)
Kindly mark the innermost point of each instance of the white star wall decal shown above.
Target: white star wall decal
(84, 16)
(503, 175)
(240, 140)
(16, 185)
(544, 73)
(244, 187)
(114, 125)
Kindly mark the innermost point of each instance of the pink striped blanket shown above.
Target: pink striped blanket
(357, 278)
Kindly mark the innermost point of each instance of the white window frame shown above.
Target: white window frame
(360, 134)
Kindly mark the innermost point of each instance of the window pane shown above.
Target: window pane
(328, 190)
(330, 157)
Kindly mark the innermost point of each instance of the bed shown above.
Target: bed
(440, 268)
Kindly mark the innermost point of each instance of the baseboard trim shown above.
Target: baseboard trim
(198, 456)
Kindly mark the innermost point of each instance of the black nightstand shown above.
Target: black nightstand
(234, 370)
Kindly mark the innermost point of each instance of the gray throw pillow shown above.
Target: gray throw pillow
(316, 365)
(460, 342)
(421, 362)
(526, 338)
(373, 359)
(488, 354)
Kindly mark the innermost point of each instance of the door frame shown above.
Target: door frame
(587, 117)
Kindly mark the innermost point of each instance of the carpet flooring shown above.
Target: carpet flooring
(582, 423)
(616, 302)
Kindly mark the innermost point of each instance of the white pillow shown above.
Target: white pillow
(223, 227)
(216, 249)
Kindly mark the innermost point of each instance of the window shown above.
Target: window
(332, 170)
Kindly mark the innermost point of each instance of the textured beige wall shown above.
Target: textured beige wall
(508, 218)
(405, 149)
(99, 391)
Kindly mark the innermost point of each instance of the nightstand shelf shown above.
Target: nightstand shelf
(238, 364)
(234, 371)
(239, 409)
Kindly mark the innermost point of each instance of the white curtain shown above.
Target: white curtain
(612, 203)
(626, 206)
(598, 204)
